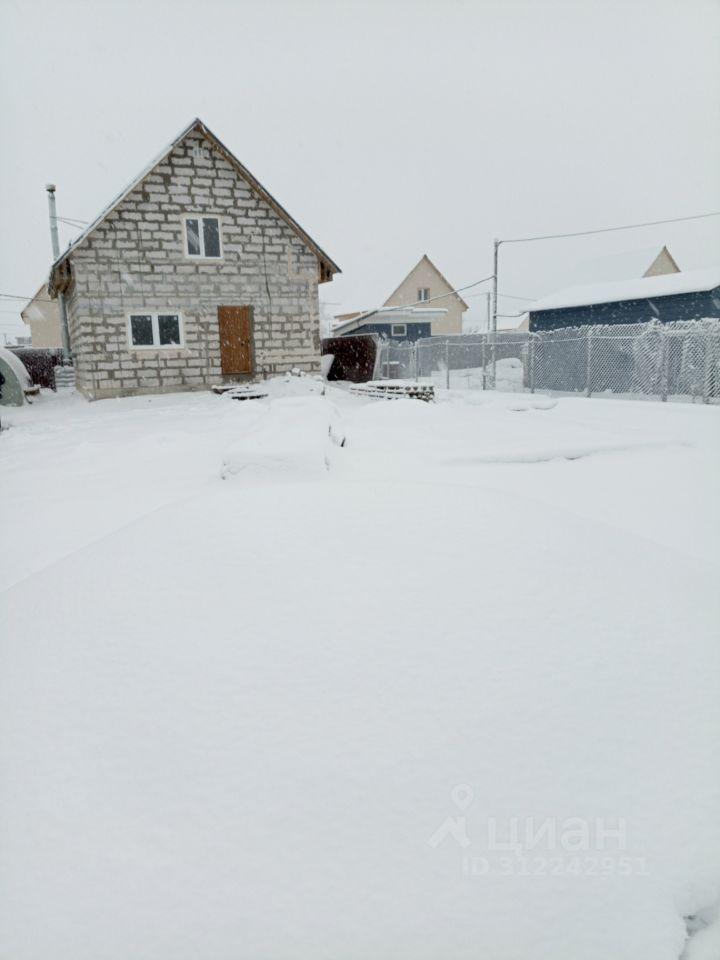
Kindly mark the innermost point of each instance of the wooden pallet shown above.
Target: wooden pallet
(394, 390)
(236, 391)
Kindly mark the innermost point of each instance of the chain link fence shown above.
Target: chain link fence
(679, 361)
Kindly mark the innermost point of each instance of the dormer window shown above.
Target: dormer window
(202, 238)
(423, 293)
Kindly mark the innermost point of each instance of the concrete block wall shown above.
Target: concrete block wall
(135, 261)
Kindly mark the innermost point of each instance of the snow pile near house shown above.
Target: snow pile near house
(449, 435)
(295, 383)
(331, 718)
(508, 376)
(704, 934)
(291, 439)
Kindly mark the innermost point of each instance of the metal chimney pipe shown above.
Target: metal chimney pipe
(52, 211)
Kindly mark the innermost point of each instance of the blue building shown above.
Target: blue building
(690, 295)
(405, 324)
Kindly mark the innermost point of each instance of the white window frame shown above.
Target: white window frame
(154, 314)
(398, 329)
(200, 217)
(421, 294)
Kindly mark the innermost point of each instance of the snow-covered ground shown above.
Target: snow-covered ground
(319, 677)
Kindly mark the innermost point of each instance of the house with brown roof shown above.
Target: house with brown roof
(193, 275)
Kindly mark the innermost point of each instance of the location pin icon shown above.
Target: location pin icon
(462, 796)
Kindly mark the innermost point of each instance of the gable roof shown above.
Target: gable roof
(425, 259)
(40, 294)
(663, 285)
(197, 125)
(621, 265)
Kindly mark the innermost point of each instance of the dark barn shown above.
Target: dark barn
(692, 295)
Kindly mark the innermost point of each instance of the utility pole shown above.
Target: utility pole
(496, 250)
(50, 187)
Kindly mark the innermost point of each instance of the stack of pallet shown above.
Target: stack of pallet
(244, 391)
(394, 390)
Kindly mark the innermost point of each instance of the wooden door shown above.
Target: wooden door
(236, 353)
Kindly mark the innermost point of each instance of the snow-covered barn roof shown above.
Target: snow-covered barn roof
(391, 315)
(330, 266)
(644, 288)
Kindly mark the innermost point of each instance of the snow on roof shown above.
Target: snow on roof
(392, 315)
(622, 265)
(30, 308)
(17, 367)
(644, 288)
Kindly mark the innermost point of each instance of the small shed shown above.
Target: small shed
(392, 323)
(354, 358)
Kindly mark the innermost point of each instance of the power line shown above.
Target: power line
(508, 296)
(443, 296)
(71, 221)
(627, 226)
(15, 296)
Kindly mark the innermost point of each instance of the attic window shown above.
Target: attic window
(202, 237)
(198, 151)
(423, 293)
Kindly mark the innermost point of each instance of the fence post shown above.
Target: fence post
(531, 363)
(484, 372)
(664, 365)
(588, 364)
(707, 369)
(447, 363)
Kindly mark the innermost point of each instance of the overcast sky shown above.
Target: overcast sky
(388, 130)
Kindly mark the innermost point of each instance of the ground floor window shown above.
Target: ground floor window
(398, 330)
(152, 330)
